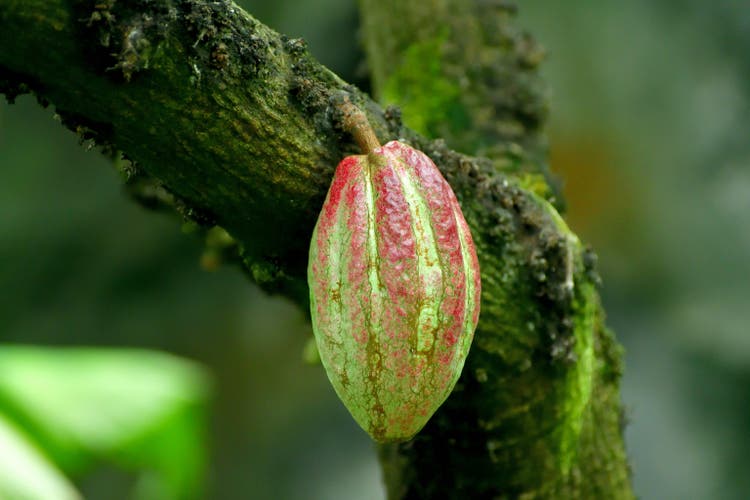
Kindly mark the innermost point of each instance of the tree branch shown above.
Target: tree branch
(463, 71)
(239, 126)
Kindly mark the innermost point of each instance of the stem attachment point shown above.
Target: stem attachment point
(354, 121)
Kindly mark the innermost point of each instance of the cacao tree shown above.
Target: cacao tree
(235, 126)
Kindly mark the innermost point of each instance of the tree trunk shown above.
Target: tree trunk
(235, 125)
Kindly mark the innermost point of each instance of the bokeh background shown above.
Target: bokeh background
(650, 121)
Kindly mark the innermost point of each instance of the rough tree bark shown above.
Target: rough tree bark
(235, 125)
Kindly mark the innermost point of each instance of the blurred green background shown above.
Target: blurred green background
(650, 107)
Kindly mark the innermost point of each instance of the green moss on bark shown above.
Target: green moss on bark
(430, 101)
(475, 53)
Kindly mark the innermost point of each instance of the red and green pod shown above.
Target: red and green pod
(394, 289)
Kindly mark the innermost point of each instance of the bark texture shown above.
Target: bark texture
(237, 126)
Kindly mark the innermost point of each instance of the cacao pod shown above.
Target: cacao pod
(394, 289)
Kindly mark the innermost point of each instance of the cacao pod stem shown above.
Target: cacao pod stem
(355, 122)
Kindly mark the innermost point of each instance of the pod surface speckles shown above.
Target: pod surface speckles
(394, 289)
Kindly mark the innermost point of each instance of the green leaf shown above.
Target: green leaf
(140, 410)
(26, 474)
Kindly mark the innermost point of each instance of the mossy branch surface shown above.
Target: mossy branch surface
(237, 126)
(461, 69)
